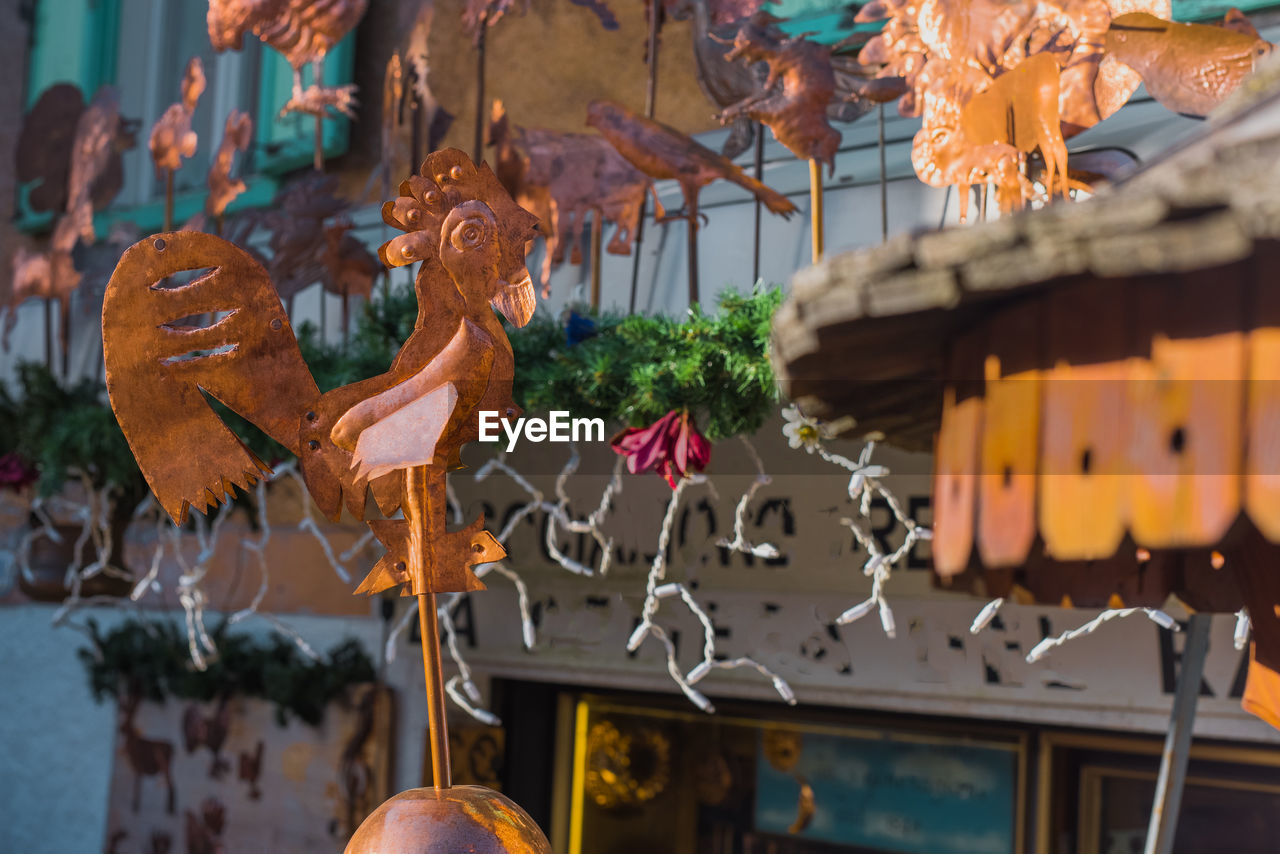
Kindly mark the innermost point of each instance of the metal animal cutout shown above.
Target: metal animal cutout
(948, 51)
(395, 434)
(223, 189)
(802, 90)
(87, 181)
(560, 177)
(1189, 68)
(662, 152)
(303, 31)
(172, 139)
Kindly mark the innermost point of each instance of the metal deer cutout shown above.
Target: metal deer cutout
(560, 177)
(395, 435)
(1189, 68)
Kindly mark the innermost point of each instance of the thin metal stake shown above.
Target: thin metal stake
(1177, 743)
(478, 153)
(755, 267)
(433, 672)
(319, 145)
(884, 184)
(650, 105)
(597, 256)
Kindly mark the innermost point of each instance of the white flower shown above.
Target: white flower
(802, 431)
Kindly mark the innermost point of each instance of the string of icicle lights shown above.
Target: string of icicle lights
(171, 543)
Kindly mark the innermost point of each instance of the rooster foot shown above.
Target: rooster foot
(320, 100)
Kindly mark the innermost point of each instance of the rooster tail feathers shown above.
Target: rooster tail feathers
(160, 367)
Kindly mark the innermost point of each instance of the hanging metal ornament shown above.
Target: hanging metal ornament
(395, 435)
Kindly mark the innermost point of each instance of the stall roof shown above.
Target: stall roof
(863, 334)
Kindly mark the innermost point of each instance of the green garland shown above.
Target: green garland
(58, 428)
(152, 659)
(627, 370)
(636, 369)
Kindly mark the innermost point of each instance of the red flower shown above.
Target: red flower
(671, 446)
(15, 472)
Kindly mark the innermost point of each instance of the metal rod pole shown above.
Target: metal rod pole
(651, 89)
(693, 249)
(759, 164)
(168, 200)
(319, 145)
(884, 182)
(815, 208)
(478, 153)
(48, 334)
(597, 256)
(433, 672)
(1177, 743)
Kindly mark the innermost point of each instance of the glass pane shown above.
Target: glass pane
(668, 781)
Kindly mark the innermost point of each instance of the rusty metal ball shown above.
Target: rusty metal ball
(469, 819)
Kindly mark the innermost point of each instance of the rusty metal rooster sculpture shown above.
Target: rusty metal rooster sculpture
(398, 432)
(395, 435)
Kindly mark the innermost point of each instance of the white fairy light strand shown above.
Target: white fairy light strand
(739, 543)
(1047, 645)
(864, 483)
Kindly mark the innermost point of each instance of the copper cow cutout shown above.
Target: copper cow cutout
(395, 434)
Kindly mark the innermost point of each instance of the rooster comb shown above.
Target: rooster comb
(447, 179)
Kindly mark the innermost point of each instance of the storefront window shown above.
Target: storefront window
(664, 780)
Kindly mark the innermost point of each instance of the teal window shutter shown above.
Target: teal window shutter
(73, 41)
(287, 142)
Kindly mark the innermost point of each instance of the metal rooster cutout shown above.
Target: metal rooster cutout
(397, 433)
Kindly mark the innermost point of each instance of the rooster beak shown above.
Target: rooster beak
(516, 299)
